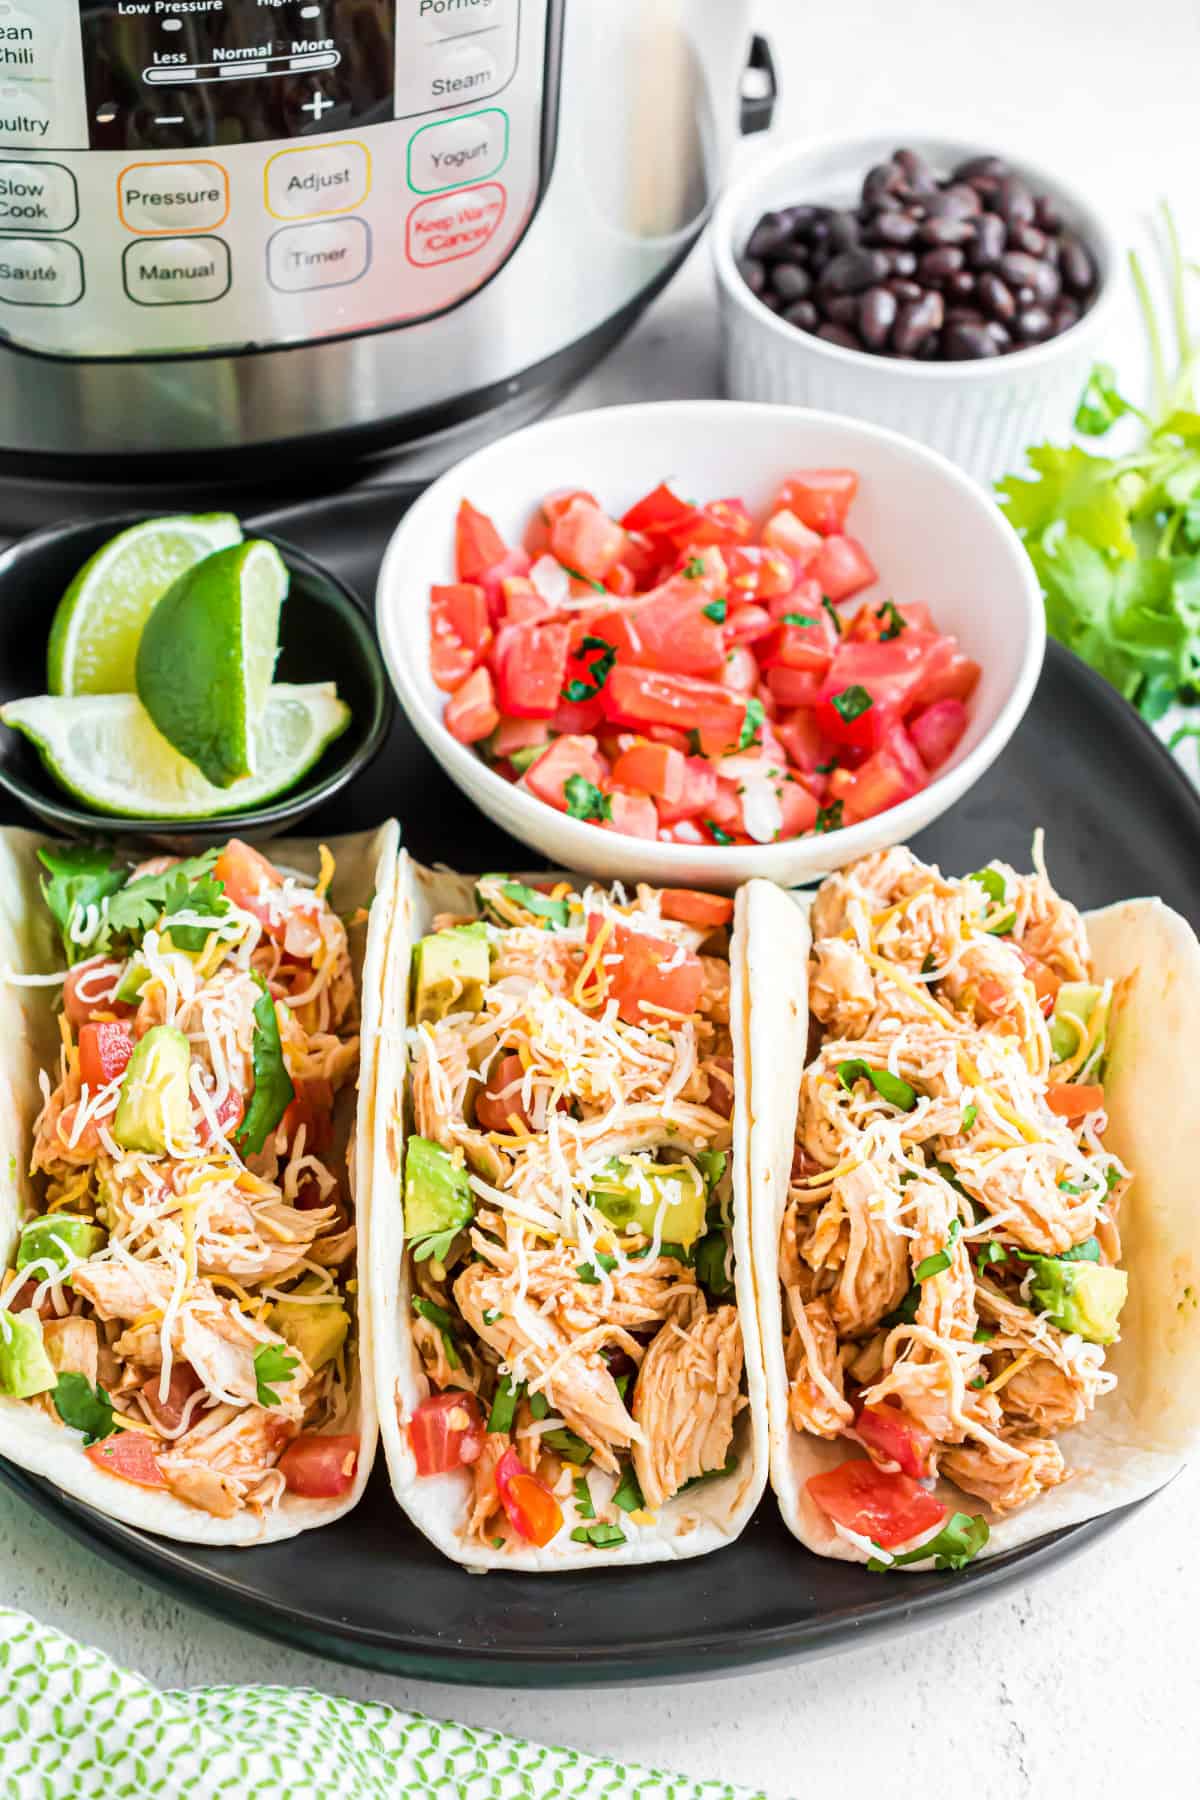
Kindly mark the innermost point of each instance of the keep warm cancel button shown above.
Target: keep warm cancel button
(454, 225)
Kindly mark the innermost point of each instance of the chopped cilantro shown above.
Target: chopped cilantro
(629, 1496)
(584, 799)
(852, 702)
(584, 1504)
(604, 655)
(711, 1256)
(83, 1407)
(601, 1537)
(497, 1543)
(716, 610)
(826, 768)
(272, 1363)
(829, 818)
(727, 1468)
(437, 1315)
(798, 619)
(991, 1252)
(504, 1404)
(970, 1114)
(693, 568)
(895, 621)
(931, 1266)
(556, 913)
(888, 1086)
(752, 724)
(719, 836)
(832, 610)
(569, 1445)
(539, 1406)
(961, 1538)
(983, 1335)
(577, 575)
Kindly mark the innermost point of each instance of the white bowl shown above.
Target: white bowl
(982, 415)
(933, 535)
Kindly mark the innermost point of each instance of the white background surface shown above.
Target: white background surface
(1084, 1683)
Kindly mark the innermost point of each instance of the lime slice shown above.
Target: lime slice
(107, 752)
(207, 655)
(99, 620)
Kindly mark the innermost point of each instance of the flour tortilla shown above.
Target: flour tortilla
(706, 1518)
(29, 943)
(1139, 1436)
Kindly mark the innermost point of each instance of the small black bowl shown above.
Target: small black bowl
(325, 635)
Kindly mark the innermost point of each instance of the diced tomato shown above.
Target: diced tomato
(666, 734)
(651, 769)
(249, 880)
(645, 558)
(892, 1435)
(89, 989)
(621, 581)
(668, 629)
(459, 632)
(936, 729)
(692, 907)
(445, 1432)
(784, 531)
(521, 602)
(1074, 1099)
(578, 718)
(633, 815)
(948, 675)
(719, 522)
(889, 674)
(747, 624)
(872, 623)
(494, 1104)
(471, 713)
(740, 673)
(478, 546)
(798, 807)
(533, 1512)
(759, 574)
(230, 1111)
(889, 1509)
(794, 687)
(182, 1383)
(697, 796)
(801, 738)
(567, 756)
(842, 567)
(809, 646)
(641, 697)
(561, 500)
(519, 734)
(513, 565)
(130, 1455)
(657, 512)
(530, 663)
(650, 970)
(821, 498)
(320, 1468)
(312, 1107)
(104, 1050)
(891, 774)
(1045, 982)
(583, 537)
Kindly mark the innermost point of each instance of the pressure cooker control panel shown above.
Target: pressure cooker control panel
(190, 176)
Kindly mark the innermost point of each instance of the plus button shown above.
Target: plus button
(318, 105)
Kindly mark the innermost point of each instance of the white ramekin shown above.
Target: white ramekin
(982, 415)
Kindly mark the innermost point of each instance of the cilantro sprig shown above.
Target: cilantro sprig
(272, 1363)
(961, 1538)
(584, 799)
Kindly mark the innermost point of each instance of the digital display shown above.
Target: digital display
(174, 74)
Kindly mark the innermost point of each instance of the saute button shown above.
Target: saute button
(461, 72)
(330, 178)
(318, 256)
(173, 196)
(186, 271)
(40, 272)
(457, 151)
(454, 225)
(36, 196)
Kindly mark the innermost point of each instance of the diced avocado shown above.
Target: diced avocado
(25, 1369)
(155, 1104)
(316, 1328)
(437, 1193)
(57, 1236)
(1083, 1297)
(129, 988)
(450, 970)
(711, 1164)
(1074, 1000)
(630, 1190)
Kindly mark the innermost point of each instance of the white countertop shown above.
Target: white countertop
(1084, 1682)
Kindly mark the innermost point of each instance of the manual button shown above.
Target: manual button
(37, 196)
(318, 256)
(167, 197)
(185, 271)
(40, 272)
(329, 178)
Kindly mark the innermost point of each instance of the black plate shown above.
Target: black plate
(1121, 818)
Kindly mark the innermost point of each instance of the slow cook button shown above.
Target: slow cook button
(456, 151)
(37, 196)
(40, 272)
(454, 225)
(318, 256)
(173, 196)
(186, 271)
(330, 178)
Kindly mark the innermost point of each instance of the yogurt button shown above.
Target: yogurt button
(40, 272)
(458, 151)
(186, 271)
(36, 196)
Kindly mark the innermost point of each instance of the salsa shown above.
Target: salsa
(682, 673)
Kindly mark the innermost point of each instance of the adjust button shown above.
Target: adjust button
(168, 197)
(183, 271)
(456, 151)
(40, 272)
(334, 254)
(37, 196)
(329, 178)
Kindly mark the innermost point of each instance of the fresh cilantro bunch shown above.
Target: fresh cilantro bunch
(80, 877)
(1115, 540)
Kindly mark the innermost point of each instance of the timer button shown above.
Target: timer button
(308, 183)
(169, 197)
(333, 254)
(185, 271)
(452, 153)
(37, 196)
(40, 272)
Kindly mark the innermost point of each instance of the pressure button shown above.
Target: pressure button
(169, 197)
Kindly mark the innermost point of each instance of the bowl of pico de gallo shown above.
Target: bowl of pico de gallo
(690, 642)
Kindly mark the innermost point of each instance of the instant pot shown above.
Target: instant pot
(249, 242)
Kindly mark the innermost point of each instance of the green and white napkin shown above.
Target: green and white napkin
(75, 1727)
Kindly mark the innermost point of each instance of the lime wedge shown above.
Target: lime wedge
(107, 752)
(94, 636)
(207, 655)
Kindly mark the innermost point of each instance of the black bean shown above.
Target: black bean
(915, 321)
(1027, 238)
(1075, 265)
(877, 311)
(904, 263)
(841, 308)
(994, 296)
(947, 231)
(999, 335)
(791, 282)
(1066, 314)
(753, 274)
(962, 342)
(1032, 324)
(772, 301)
(937, 266)
(986, 186)
(965, 195)
(880, 182)
(929, 349)
(771, 236)
(903, 289)
(994, 166)
(950, 205)
(1022, 271)
(799, 219)
(964, 315)
(853, 270)
(918, 176)
(1025, 296)
(1046, 214)
(818, 231)
(894, 229)
(843, 231)
(803, 313)
(1014, 201)
(989, 242)
(838, 334)
(1051, 253)
(962, 285)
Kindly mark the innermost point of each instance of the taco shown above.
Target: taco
(181, 1334)
(566, 1345)
(976, 1241)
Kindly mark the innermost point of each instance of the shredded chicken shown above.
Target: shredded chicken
(686, 1399)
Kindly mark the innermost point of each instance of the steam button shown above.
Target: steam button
(462, 71)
